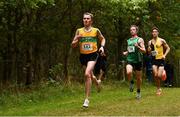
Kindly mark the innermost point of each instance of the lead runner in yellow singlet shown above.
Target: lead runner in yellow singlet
(87, 38)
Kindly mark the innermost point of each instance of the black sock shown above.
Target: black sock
(132, 81)
(138, 90)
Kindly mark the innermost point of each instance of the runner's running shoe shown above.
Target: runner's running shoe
(138, 95)
(98, 85)
(86, 103)
(159, 91)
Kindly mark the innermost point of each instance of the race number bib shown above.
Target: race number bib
(131, 49)
(87, 47)
(154, 53)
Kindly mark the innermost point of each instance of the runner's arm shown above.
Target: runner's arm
(125, 53)
(166, 46)
(102, 40)
(149, 47)
(141, 46)
(76, 39)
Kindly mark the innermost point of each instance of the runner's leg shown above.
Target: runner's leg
(129, 70)
(139, 80)
(89, 77)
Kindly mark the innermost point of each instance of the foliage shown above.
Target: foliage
(36, 34)
(56, 72)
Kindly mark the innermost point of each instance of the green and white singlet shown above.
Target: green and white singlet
(134, 56)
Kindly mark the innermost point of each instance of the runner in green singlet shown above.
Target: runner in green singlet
(135, 48)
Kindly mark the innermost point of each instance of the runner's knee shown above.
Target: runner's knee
(88, 74)
(129, 72)
(159, 75)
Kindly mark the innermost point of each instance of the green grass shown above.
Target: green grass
(114, 99)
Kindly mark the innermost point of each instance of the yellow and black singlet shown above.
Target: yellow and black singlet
(158, 49)
(88, 42)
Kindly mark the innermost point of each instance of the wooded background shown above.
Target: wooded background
(35, 36)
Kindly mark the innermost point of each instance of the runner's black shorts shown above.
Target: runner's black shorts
(136, 66)
(158, 62)
(85, 58)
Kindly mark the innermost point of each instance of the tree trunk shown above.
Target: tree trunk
(29, 75)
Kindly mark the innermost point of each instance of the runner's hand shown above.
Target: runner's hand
(75, 41)
(125, 53)
(149, 49)
(78, 37)
(101, 50)
(163, 57)
(137, 45)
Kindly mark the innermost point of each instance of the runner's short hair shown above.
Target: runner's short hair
(137, 28)
(87, 13)
(155, 28)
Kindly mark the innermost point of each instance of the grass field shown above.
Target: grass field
(114, 100)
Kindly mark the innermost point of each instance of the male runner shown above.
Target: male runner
(87, 38)
(159, 50)
(135, 48)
